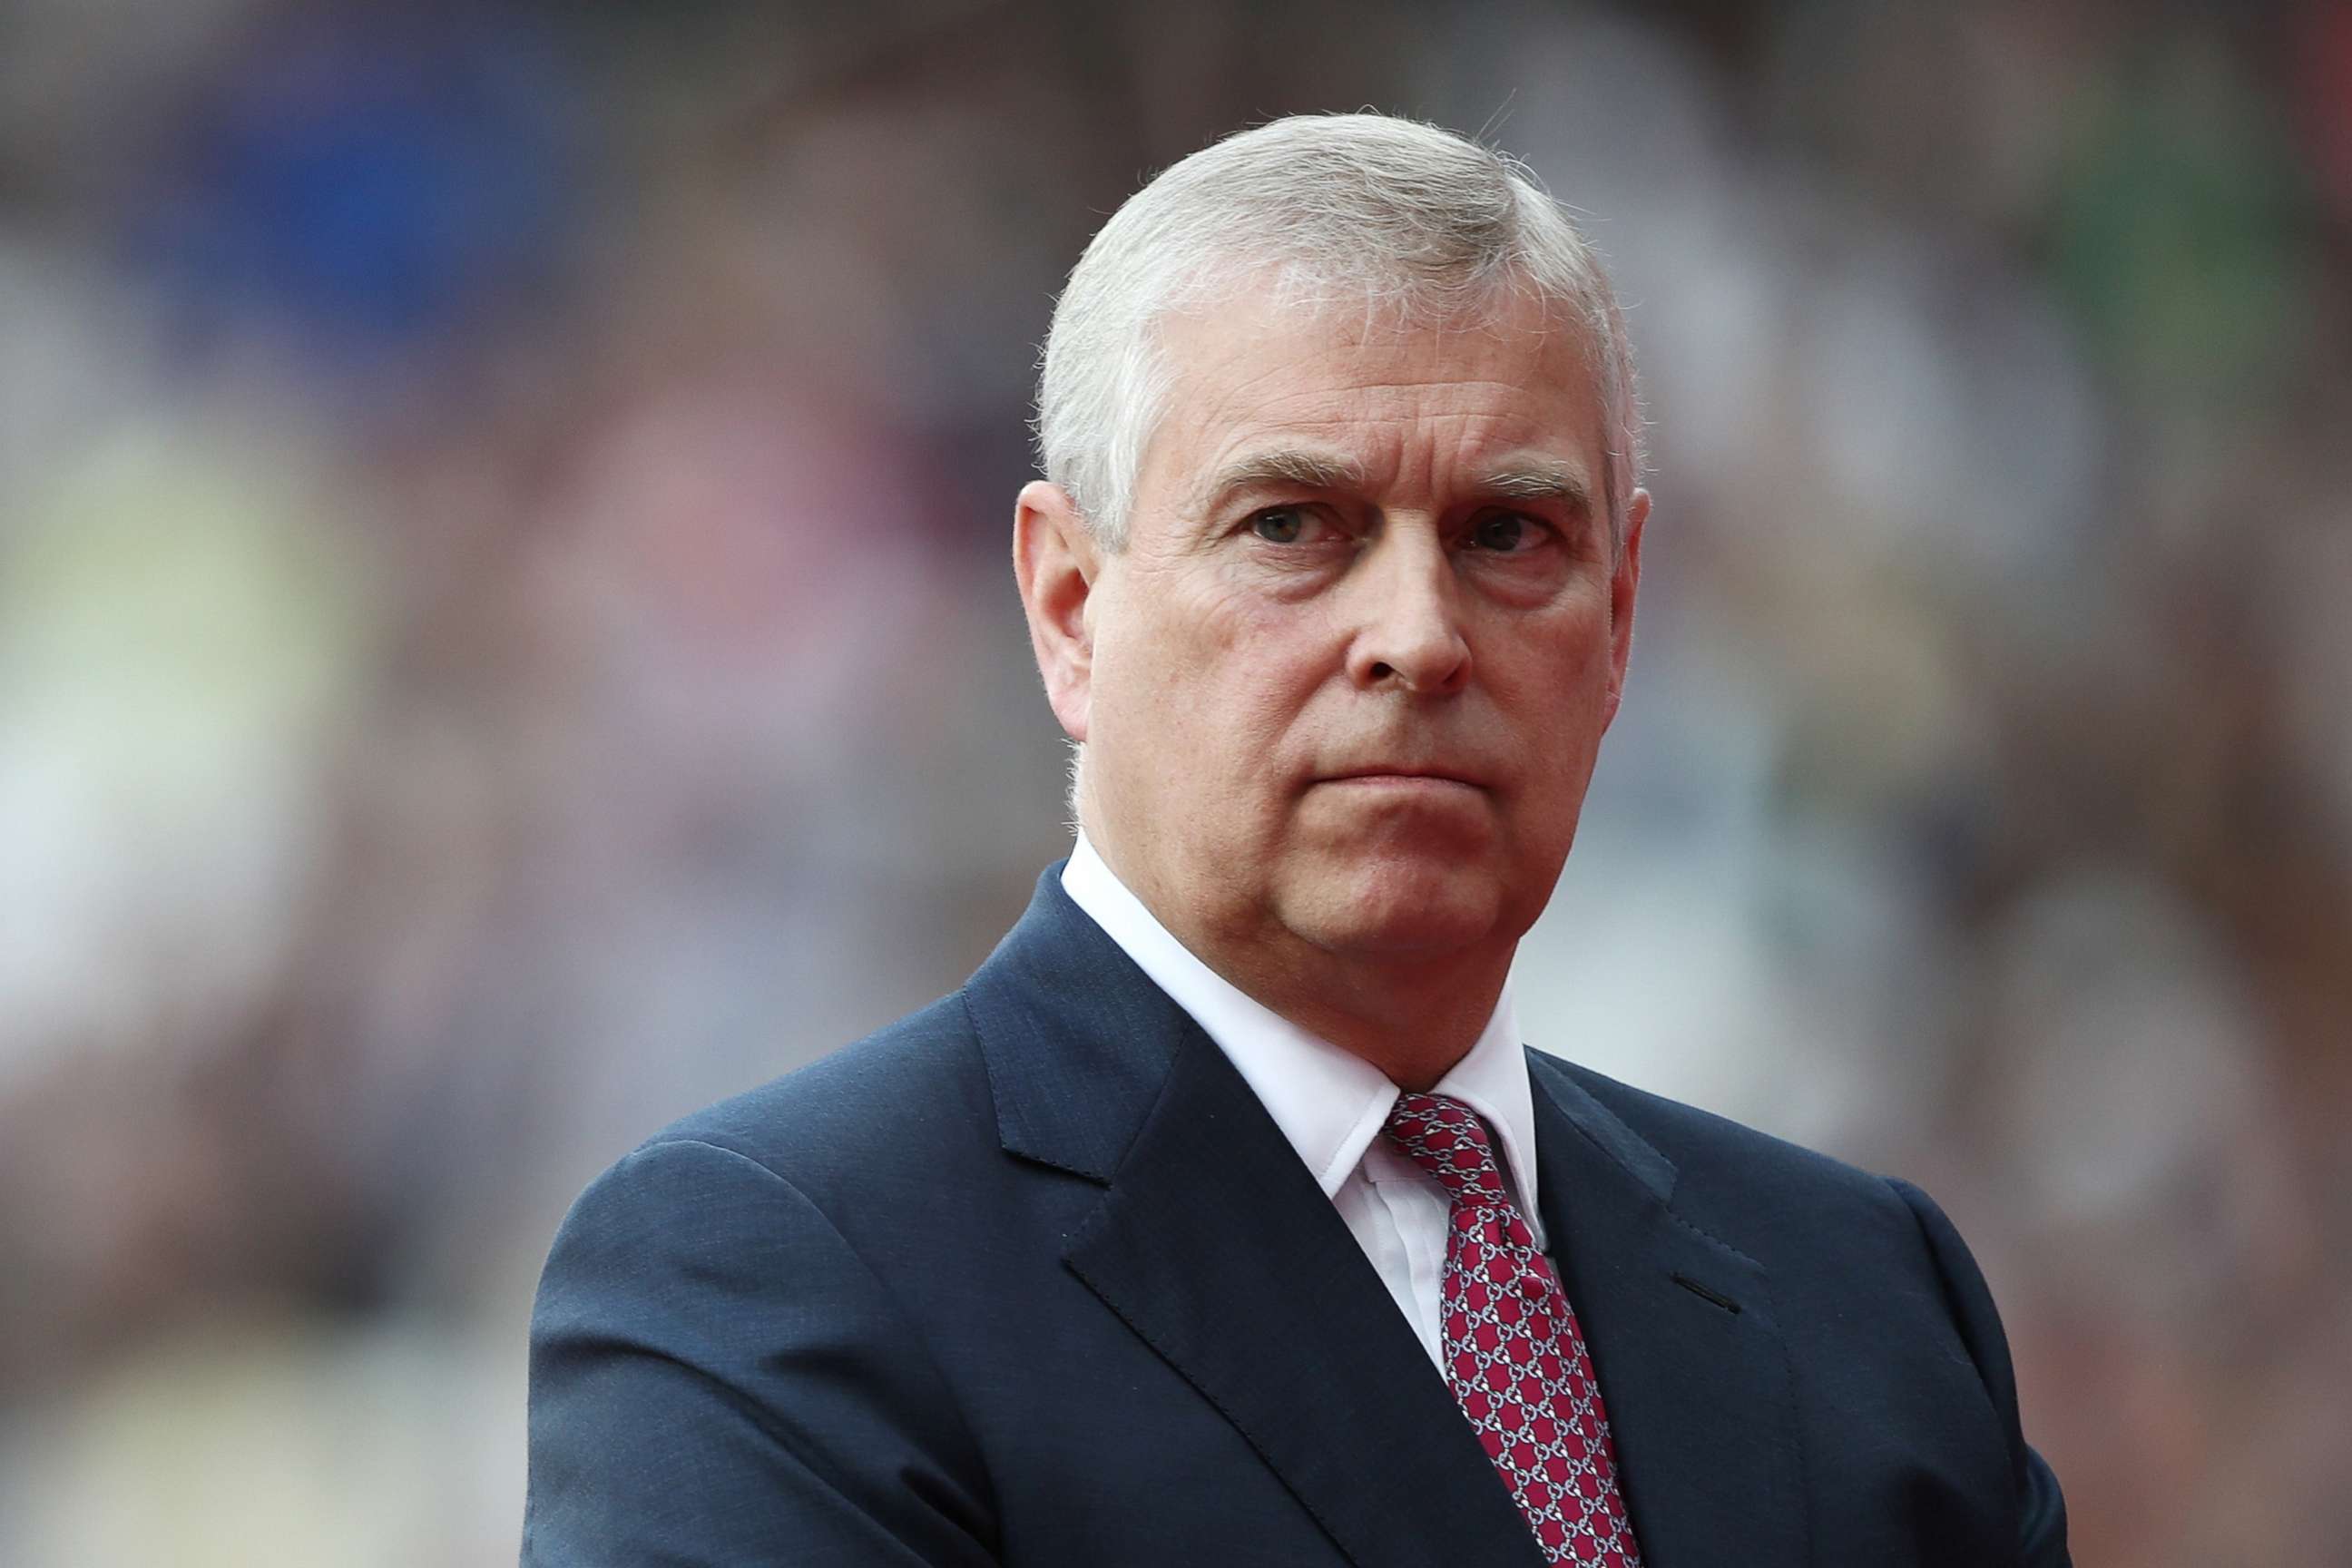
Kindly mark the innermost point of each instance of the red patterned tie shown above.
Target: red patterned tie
(1513, 1352)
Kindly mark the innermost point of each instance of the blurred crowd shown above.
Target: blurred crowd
(505, 635)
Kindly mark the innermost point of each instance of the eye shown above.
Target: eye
(1507, 532)
(1280, 524)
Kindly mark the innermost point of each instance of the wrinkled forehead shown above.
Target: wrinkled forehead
(1282, 365)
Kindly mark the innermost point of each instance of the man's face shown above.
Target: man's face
(1345, 685)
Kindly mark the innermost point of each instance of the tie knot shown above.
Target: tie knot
(1445, 1138)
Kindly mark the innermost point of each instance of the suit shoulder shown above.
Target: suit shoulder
(916, 1083)
(1711, 1151)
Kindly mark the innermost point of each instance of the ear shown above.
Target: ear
(1623, 584)
(1055, 560)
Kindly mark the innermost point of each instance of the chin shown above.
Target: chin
(1400, 906)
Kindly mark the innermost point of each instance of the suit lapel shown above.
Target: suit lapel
(1215, 1245)
(1684, 1341)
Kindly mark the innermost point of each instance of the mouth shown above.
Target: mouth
(1403, 776)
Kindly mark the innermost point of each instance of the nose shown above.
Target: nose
(1409, 632)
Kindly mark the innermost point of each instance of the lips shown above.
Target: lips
(1402, 772)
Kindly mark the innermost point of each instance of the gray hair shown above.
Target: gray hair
(1317, 208)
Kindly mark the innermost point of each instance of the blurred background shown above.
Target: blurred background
(505, 635)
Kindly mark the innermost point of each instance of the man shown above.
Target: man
(1222, 1217)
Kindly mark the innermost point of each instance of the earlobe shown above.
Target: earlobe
(1055, 560)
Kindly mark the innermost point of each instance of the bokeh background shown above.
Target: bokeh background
(505, 635)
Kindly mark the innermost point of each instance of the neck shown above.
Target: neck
(1412, 1019)
(1411, 1014)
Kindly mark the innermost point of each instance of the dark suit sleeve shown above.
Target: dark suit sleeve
(717, 1378)
(2041, 1510)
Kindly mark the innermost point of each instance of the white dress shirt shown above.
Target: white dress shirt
(1332, 1104)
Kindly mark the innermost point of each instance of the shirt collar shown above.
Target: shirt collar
(1330, 1103)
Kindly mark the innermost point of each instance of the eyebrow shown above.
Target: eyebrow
(1286, 465)
(1308, 470)
(1538, 482)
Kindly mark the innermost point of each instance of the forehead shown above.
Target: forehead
(1393, 400)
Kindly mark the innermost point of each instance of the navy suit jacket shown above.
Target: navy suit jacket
(1032, 1277)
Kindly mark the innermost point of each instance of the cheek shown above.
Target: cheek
(1184, 692)
(1558, 685)
(1236, 669)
